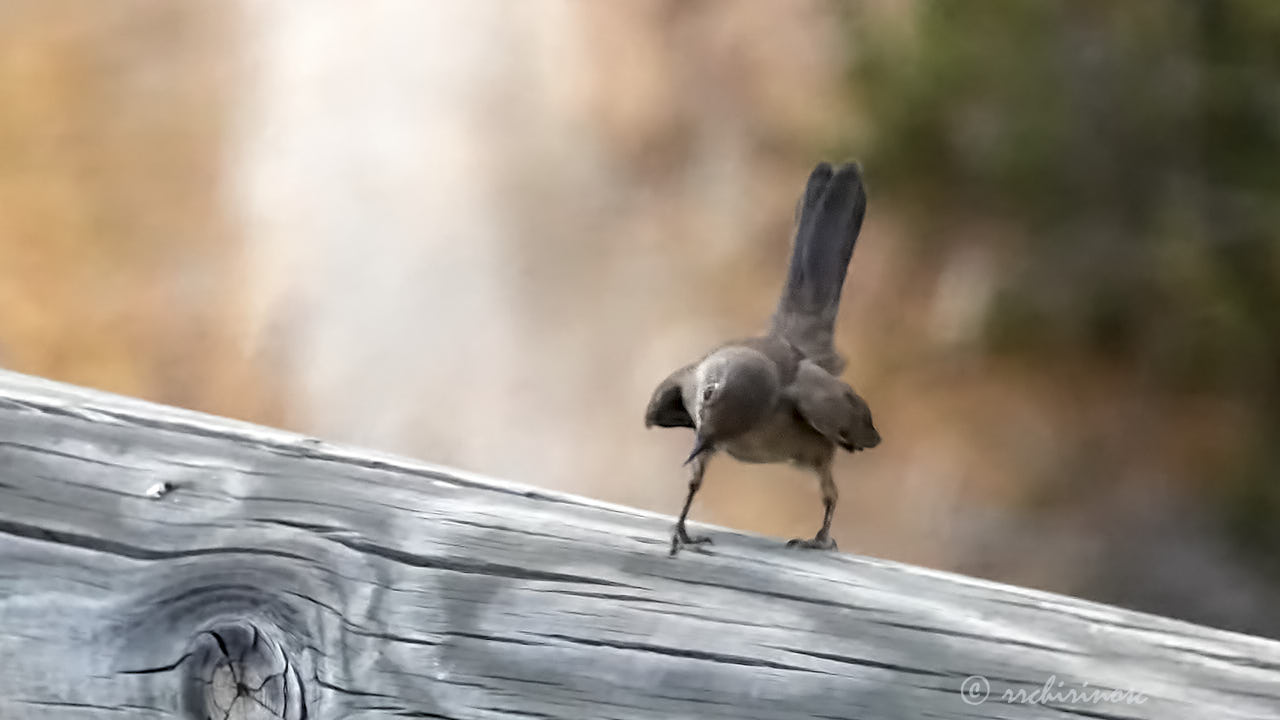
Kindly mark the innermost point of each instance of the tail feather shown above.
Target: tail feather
(829, 219)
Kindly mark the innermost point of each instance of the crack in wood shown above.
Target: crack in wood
(65, 455)
(781, 595)
(865, 662)
(133, 552)
(471, 567)
(999, 640)
(684, 653)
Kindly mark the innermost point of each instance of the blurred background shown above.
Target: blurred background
(480, 232)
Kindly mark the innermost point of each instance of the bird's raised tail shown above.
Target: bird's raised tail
(828, 220)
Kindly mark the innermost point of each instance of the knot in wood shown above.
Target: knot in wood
(238, 671)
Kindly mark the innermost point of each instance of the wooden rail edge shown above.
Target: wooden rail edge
(160, 563)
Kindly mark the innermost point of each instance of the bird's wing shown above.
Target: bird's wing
(666, 407)
(832, 408)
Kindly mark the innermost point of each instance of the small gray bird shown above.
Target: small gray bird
(777, 397)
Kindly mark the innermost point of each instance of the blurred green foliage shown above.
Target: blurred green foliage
(1135, 149)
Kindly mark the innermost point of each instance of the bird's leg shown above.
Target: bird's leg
(681, 537)
(823, 540)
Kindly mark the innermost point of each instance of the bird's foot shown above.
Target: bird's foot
(822, 541)
(680, 538)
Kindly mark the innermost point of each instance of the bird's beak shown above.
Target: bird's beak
(700, 445)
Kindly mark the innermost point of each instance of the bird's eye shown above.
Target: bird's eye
(707, 392)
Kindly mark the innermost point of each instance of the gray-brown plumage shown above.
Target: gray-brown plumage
(777, 397)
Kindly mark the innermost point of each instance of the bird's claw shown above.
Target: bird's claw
(821, 542)
(681, 538)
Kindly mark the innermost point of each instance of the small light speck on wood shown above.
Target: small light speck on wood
(296, 579)
(158, 490)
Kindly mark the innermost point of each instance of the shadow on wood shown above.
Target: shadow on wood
(157, 563)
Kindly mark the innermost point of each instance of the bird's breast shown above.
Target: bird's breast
(782, 437)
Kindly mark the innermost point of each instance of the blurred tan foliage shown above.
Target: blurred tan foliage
(117, 267)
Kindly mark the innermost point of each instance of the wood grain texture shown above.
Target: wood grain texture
(274, 576)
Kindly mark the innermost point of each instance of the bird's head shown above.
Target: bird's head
(734, 389)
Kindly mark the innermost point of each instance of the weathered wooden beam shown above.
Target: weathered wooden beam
(269, 575)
